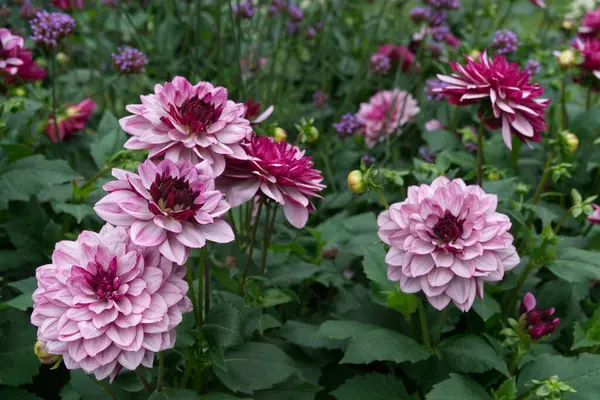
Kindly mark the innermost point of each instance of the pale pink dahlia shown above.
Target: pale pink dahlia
(508, 99)
(280, 171)
(171, 206)
(385, 113)
(106, 303)
(446, 240)
(185, 122)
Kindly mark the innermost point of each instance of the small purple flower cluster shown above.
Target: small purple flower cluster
(431, 85)
(533, 67)
(420, 14)
(319, 98)
(505, 42)
(445, 4)
(434, 15)
(348, 125)
(129, 61)
(380, 63)
(245, 10)
(49, 28)
(439, 32)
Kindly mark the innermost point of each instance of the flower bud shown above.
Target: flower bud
(356, 182)
(312, 135)
(567, 24)
(537, 322)
(20, 92)
(45, 358)
(62, 58)
(280, 135)
(566, 58)
(572, 141)
(493, 176)
(475, 54)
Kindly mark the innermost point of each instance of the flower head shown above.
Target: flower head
(320, 98)
(396, 54)
(348, 125)
(129, 61)
(42, 354)
(385, 113)
(105, 303)
(68, 4)
(28, 11)
(437, 17)
(16, 61)
(533, 67)
(446, 240)
(508, 99)
(74, 119)
(295, 13)
(420, 14)
(538, 322)
(356, 182)
(171, 206)
(434, 125)
(280, 171)
(595, 217)
(505, 41)
(426, 155)
(310, 33)
(185, 122)
(380, 63)
(590, 25)
(50, 28)
(590, 51)
(253, 113)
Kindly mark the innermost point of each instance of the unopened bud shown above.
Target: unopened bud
(566, 58)
(312, 135)
(356, 182)
(567, 24)
(280, 134)
(45, 358)
(475, 54)
(494, 176)
(20, 92)
(330, 254)
(62, 58)
(572, 141)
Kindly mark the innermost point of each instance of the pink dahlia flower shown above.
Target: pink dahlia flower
(590, 51)
(385, 113)
(185, 122)
(539, 3)
(590, 25)
(595, 217)
(397, 54)
(507, 98)
(446, 240)
(74, 119)
(106, 303)
(171, 206)
(68, 4)
(280, 171)
(16, 61)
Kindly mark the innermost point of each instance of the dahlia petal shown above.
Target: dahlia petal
(439, 302)
(126, 321)
(421, 265)
(105, 317)
(122, 337)
(429, 290)
(410, 285)
(131, 359)
(96, 345)
(459, 289)
(522, 125)
(420, 246)
(147, 233)
(464, 269)
(126, 263)
(394, 256)
(168, 223)
(174, 250)
(443, 258)
(192, 236)
(439, 277)
(219, 231)
(295, 214)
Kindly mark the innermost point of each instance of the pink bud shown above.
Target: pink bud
(528, 303)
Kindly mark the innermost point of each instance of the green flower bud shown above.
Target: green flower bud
(356, 182)
(45, 358)
(280, 135)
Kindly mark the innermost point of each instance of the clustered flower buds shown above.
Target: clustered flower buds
(537, 322)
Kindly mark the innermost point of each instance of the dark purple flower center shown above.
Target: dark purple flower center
(448, 228)
(197, 113)
(174, 196)
(105, 283)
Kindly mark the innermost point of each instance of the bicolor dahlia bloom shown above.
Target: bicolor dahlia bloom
(105, 303)
(537, 322)
(16, 61)
(590, 25)
(50, 28)
(74, 119)
(590, 51)
(173, 207)
(385, 113)
(280, 171)
(129, 60)
(68, 4)
(508, 99)
(446, 240)
(595, 217)
(189, 122)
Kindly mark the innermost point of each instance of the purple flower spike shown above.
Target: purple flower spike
(50, 28)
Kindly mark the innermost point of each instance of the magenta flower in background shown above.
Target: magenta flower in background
(446, 240)
(28, 11)
(434, 125)
(16, 61)
(385, 113)
(185, 122)
(105, 303)
(319, 98)
(253, 113)
(508, 99)
(68, 4)
(439, 32)
(590, 51)
(251, 65)
(50, 28)
(538, 322)
(396, 54)
(539, 3)
(280, 171)
(173, 207)
(590, 25)
(452, 40)
(533, 67)
(348, 125)
(595, 217)
(74, 119)
(129, 60)
(505, 42)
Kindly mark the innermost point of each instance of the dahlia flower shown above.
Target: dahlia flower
(171, 206)
(590, 25)
(68, 4)
(595, 217)
(590, 51)
(507, 98)
(16, 61)
(385, 113)
(105, 303)
(397, 54)
(539, 3)
(50, 28)
(537, 322)
(446, 240)
(185, 122)
(74, 119)
(280, 171)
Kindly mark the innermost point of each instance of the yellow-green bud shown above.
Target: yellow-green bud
(566, 58)
(45, 358)
(572, 141)
(567, 24)
(356, 182)
(312, 135)
(493, 176)
(20, 92)
(280, 135)
(475, 54)
(62, 58)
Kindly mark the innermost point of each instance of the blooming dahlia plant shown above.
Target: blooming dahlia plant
(72, 120)
(16, 62)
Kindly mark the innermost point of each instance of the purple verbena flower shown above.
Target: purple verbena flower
(49, 28)
(439, 32)
(437, 17)
(292, 27)
(129, 61)
(533, 67)
(420, 14)
(368, 160)
(319, 98)
(295, 13)
(310, 33)
(246, 10)
(380, 63)
(505, 41)
(431, 85)
(348, 125)
(426, 155)
(445, 4)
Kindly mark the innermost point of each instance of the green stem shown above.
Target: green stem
(201, 268)
(190, 281)
(161, 370)
(562, 220)
(106, 389)
(513, 363)
(564, 120)
(424, 328)
(480, 153)
(505, 16)
(251, 248)
(187, 370)
(512, 300)
(135, 30)
(382, 198)
(267, 233)
(234, 227)
(542, 184)
(97, 176)
(440, 328)
(204, 255)
(53, 82)
(140, 374)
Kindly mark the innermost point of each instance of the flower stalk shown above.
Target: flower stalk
(480, 153)
(251, 247)
(424, 328)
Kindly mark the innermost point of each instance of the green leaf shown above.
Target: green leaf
(589, 334)
(79, 211)
(582, 373)
(108, 140)
(575, 265)
(17, 336)
(8, 393)
(26, 287)
(129, 381)
(274, 297)
(546, 214)
(486, 308)
(266, 322)
(458, 387)
(506, 391)
(219, 396)
(471, 353)
(255, 366)
(343, 329)
(406, 303)
(224, 326)
(174, 394)
(27, 176)
(577, 199)
(371, 386)
(305, 335)
(376, 269)
(440, 140)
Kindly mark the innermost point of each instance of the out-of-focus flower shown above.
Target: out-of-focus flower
(331, 253)
(533, 67)
(567, 24)
(539, 3)
(396, 54)
(368, 160)
(295, 13)
(28, 11)
(50, 28)
(590, 51)
(173, 207)
(595, 217)
(426, 155)
(434, 125)
(319, 98)
(437, 17)
(385, 113)
(251, 65)
(505, 42)
(572, 141)
(73, 119)
(280, 135)
(185, 122)
(590, 25)
(68, 4)
(292, 27)
(280, 171)
(538, 322)
(105, 303)
(568, 58)
(446, 240)
(475, 55)
(348, 125)
(310, 33)
(445, 4)
(578, 8)
(420, 14)
(4, 11)
(439, 32)
(129, 61)
(430, 86)
(508, 99)
(253, 113)
(356, 182)
(452, 40)
(42, 354)
(246, 10)
(380, 63)
(16, 61)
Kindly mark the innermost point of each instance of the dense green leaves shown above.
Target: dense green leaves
(303, 334)
(371, 386)
(458, 387)
(575, 265)
(17, 336)
(224, 326)
(471, 353)
(108, 140)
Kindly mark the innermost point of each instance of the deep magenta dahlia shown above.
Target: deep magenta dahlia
(16, 61)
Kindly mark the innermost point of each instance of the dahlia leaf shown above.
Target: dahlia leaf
(224, 326)
(305, 335)
(218, 396)
(108, 141)
(371, 386)
(383, 345)
(341, 330)
(8, 393)
(174, 394)
(506, 391)
(487, 307)
(376, 269)
(78, 211)
(26, 287)
(440, 140)
(458, 387)
(546, 214)
(19, 364)
(575, 265)
(471, 354)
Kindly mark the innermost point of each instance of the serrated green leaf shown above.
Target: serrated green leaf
(108, 140)
(546, 214)
(506, 391)
(471, 353)
(371, 386)
(458, 387)
(575, 265)
(487, 307)
(376, 269)
(79, 211)
(305, 335)
(223, 326)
